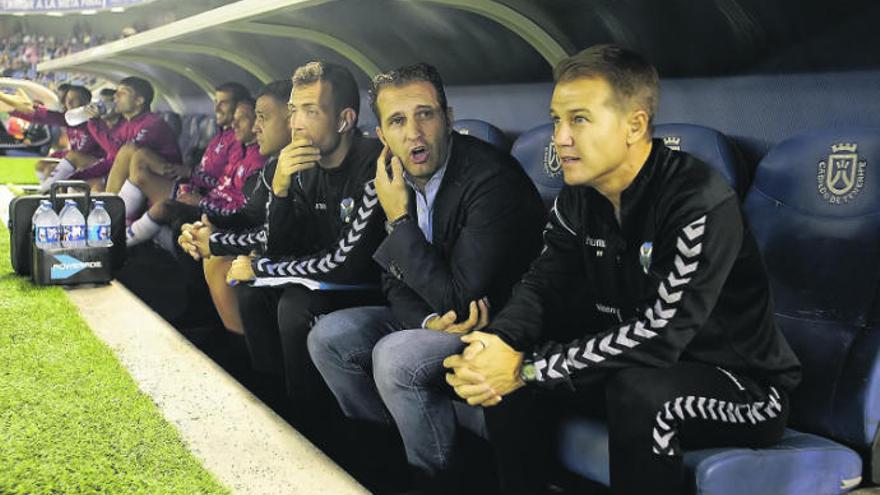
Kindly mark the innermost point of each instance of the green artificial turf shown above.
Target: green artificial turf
(72, 420)
(17, 170)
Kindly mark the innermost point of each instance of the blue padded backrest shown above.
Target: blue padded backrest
(537, 155)
(483, 131)
(814, 207)
(535, 152)
(710, 146)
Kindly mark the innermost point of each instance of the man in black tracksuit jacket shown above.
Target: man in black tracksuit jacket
(323, 224)
(682, 350)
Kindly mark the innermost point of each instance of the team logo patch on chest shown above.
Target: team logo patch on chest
(346, 207)
(645, 252)
(841, 177)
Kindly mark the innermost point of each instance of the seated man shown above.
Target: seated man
(464, 221)
(140, 130)
(224, 207)
(188, 187)
(321, 225)
(684, 353)
(218, 237)
(96, 173)
(84, 149)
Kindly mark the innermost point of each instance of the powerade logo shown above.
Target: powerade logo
(68, 266)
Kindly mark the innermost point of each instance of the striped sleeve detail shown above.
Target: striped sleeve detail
(325, 264)
(255, 239)
(627, 338)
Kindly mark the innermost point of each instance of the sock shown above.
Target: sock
(133, 198)
(143, 229)
(62, 171)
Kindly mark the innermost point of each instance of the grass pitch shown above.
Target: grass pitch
(72, 420)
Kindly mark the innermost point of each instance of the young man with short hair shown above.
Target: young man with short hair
(684, 353)
(177, 189)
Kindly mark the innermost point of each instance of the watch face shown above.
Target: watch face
(528, 372)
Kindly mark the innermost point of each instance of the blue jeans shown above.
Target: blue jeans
(381, 373)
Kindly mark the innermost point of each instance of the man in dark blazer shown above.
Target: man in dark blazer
(463, 223)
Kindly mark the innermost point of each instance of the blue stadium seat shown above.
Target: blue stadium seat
(710, 146)
(174, 122)
(483, 131)
(816, 216)
(535, 152)
(538, 156)
(815, 209)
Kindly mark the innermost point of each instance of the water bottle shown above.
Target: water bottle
(99, 226)
(73, 226)
(46, 226)
(80, 115)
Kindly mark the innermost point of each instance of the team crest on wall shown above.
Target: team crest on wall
(841, 177)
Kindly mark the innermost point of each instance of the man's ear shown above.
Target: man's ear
(347, 119)
(381, 136)
(637, 126)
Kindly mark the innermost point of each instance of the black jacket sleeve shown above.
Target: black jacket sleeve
(693, 255)
(235, 242)
(489, 228)
(410, 309)
(347, 261)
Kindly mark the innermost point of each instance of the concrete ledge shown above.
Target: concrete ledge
(246, 445)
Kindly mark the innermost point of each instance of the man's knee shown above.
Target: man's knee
(140, 164)
(633, 389)
(330, 335)
(407, 358)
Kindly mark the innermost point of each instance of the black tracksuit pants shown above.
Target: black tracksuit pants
(651, 413)
(276, 325)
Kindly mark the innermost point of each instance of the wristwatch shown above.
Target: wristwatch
(527, 372)
(390, 226)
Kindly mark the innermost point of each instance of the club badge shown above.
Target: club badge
(346, 208)
(645, 256)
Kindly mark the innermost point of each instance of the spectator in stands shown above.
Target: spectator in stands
(464, 221)
(84, 149)
(322, 225)
(186, 186)
(685, 352)
(142, 134)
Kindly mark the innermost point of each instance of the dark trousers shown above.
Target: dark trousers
(651, 413)
(276, 325)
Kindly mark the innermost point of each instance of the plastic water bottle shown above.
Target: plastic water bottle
(46, 226)
(99, 226)
(80, 115)
(73, 226)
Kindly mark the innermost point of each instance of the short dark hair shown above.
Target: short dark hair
(633, 80)
(141, 88)
(238, 91)
(279, 90)
(405, 75)
(340, 79)
(82, 91)
(247, 101)
(107, 92)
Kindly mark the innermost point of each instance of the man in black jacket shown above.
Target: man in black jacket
(683, 351)
(323, 224)
(463, 223)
